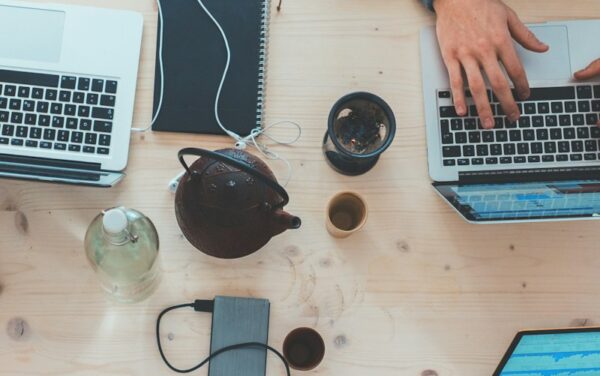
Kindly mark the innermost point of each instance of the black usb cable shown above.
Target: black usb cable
(208, 307)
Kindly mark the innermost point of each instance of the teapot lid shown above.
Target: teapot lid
(237, 163)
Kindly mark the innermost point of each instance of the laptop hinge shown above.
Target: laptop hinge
(49, 168)
(529, 175)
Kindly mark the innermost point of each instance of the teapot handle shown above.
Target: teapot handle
(238, 164)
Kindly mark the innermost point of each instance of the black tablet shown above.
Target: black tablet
(557, 352)
(523, 201)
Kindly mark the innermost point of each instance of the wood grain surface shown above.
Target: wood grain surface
(417, 292)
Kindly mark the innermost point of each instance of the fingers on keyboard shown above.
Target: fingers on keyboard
(558, 124)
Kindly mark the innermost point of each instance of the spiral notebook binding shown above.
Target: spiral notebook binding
(262, 60)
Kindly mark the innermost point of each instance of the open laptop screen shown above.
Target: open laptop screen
(553, 353)
(524, 201)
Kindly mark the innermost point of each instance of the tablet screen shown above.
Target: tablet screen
(554, 354)
(524, 201)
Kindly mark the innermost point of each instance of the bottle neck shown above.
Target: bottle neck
(120, 238)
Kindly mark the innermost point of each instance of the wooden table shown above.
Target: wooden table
(417, 292)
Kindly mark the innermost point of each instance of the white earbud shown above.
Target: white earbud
(174, 183)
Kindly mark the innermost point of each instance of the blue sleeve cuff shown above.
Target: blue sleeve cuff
(428, 4)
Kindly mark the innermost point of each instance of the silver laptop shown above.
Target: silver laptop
(67, 88)
(544, 167)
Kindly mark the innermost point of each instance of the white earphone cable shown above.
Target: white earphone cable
(241, 142)
(161, 68)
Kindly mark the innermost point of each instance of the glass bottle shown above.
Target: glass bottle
(122, 244)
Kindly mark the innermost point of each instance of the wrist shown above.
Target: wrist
(440, 4)
(437, 5)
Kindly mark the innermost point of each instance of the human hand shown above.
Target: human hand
(592, 70)
(478, 34)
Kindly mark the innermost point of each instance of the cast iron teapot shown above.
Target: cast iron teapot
(229, 204)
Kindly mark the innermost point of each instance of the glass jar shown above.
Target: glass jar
(122, 245)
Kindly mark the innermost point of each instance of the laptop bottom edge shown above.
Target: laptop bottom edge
(99, 179)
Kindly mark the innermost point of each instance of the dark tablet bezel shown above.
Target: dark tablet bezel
(523, 333)
(444, 189)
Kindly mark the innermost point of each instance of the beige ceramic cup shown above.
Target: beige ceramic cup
(347, 213)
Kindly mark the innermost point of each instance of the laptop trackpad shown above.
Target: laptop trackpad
(552, 65)
(31, 34)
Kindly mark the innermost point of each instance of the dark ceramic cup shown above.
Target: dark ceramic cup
(304, 349)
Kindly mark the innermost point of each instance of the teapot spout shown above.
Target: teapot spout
(286, 221)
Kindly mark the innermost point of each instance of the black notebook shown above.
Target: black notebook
(194, 58)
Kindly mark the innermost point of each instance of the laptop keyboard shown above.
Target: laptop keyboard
(59, 112)
(558, 124)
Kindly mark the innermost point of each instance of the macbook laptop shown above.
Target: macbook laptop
(574, 352)
(67, 88)
(544, 167)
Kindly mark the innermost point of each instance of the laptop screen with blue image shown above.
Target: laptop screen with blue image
(555, 354)
(522, 201)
